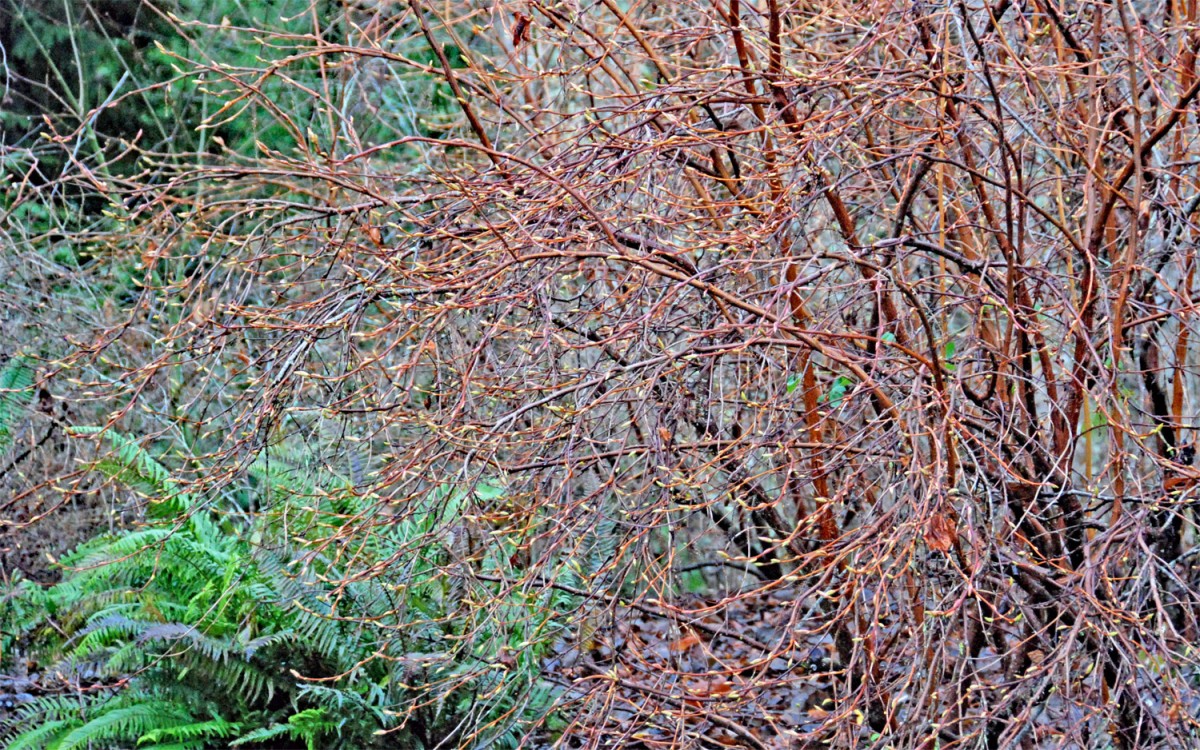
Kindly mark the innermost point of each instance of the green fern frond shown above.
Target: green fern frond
(171, 632)
(604, 540)
(344, 702)
(125, 723)
(249, 683)
(99, 635)
(253, 646)
(38, 723)
(40, 736)
(134, 466)
(17, 379)
(127, 658)
(308, 726)
(282, 473)
(263, 734)
(93, 555)
(51, 708)
(196, 731)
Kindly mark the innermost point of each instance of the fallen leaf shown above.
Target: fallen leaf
(941, 533)
(684, 643)
(715, 687)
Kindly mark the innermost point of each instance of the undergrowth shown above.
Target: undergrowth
(211, 629)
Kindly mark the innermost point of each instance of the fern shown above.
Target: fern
(17, 380)
(307, 726)
(23, 608)
(263, 734)
(135, 467)
(41, 735)
(281, 476)
(123, 723)
(191, 732)
(210, 632)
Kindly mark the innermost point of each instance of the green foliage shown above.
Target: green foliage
(134, 467)
(16, 391)
(23, 608)
(838, 390)
(307, 726)
(224, 633)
